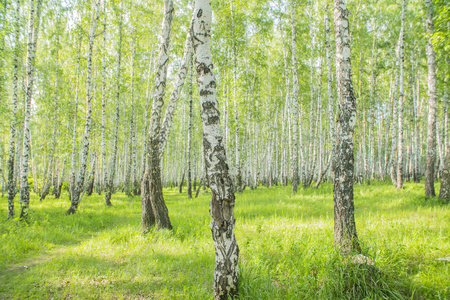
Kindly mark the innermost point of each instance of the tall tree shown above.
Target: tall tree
(432, 105)
(76, 196)
(295, 106)
(222, 194)
(15, 83)
(189, 142)
(401, 99)
(33, 31)
(110, 182)
(153, 205)
(345, 236)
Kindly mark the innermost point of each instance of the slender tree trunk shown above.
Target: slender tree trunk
(189, 142)
(104, 169)
(222, 195)
(394, 129)
(15, 83)
(432, 104)
(330, 91)
(75, 118)
(295, 101)
(129, 183)
(401, 100)
(345, 236)
(33, 30)
(76, 197)
(110, 182)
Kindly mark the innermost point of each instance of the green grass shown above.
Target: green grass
(286, 248)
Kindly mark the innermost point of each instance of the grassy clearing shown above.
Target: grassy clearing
(286, 248)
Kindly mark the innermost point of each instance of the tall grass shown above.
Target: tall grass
(286, 248)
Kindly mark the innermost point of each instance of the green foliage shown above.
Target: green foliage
(286, 248)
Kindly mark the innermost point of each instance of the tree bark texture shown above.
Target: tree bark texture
(345, 236)
(219, 180)
(151, 186)
(14, 100)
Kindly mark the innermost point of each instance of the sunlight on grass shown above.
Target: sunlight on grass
(285, 240)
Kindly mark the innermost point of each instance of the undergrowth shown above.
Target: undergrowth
(285, 240)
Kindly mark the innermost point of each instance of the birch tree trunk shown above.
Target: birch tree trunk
(400, 100)
(75, 118)
(76, 197)
(222, 195)
(104, 169)
(432, 104)
(189, 141)
(153, 205)
(394, 128)
(33, 31)
(330, 91)
(236, 110)
(129, 183)
(345, 236)
(15, 83)
(110, 182)
(295, 87)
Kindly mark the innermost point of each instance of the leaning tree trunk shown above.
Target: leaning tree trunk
(345, 236)
(76, 197)
(153, 205)
(400, 100)
(295, 87)
(15, 83)
(110, 181)
(432, 104)
(33, 30)
(220, 183)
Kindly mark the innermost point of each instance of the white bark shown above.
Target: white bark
(222, 195)
(33, 30)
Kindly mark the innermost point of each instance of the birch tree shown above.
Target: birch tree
(295, 87)
(33, 31)
(432, 105)
(14, 99)
(345, 236)
(401, 99)
(110, 182)
(76, 196)
(222, 194)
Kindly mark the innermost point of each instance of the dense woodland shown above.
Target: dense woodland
(137, 97)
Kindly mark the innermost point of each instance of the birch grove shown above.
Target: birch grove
(286, 100)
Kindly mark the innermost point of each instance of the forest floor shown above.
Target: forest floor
(286, 247)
